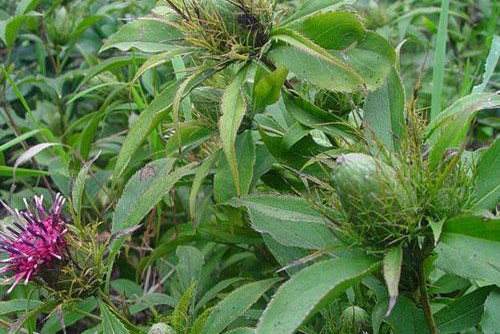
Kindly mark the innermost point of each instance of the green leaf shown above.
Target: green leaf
(160, 59)
(373, 58)
(25, 6)
(310, 115)
(143, 191)
(46, 307)
(21, 172)
(184, 234)
(69, 315)
(146, 35)
(233, 109)
(18, 140)
(335, 30)
(110, 64)
(199, 323)
(384, 112)
(294, 134)
(138, 132)
(490, 64)
(191, 134)
(405, 318)
(241, 331)
(311, 7)
(439, 60)
(235, 304)
(224, 187)
(486, 193)
(18, 305)
(286, 256)
(294, 209)
(364, 66)
(463, 313)
(449, 128)
(199, 177)
(469, 247)
(215, 290)
(309, 291)
(266, 90)
(490, 323)
(150, 300)
(79, 187)
(180, 315)
(188, 269)
(311, 62)
(9, 29)
(110, 323)
(289, 220)
(393, 262)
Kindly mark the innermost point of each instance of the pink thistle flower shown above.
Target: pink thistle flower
(36, 241)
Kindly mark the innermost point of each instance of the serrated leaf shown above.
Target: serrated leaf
(224, 186)
(150, 300)
(384, 112)
(180, 315)
(469, 247)
(489, 65)
(266, 90)
(490, 323)
(235, 304)
(450, 127)
(241, 331)
(199, 177)
(311, 116)
(462, 313)
(335, 30)
(143, 191)
(406, 317)
(79, 186)
(233, 109)
(138, 132)
(9, 29)
(393, 262)
(31, 152)
(16, 305)
(190, 264)
(486, 193)
(199, 323)
(309, 290)
(148, 35)
(160, 59)
(110, 323)
(215, 290)
(311, 7)
(365, 66)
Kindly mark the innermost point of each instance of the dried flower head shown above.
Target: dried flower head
(36, 241)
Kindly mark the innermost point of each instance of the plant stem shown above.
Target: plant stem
(424, 296)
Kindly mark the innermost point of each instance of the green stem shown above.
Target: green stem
(424, 296)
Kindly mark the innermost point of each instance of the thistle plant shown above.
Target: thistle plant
(35, 241)
(42, 248)
(225, 30)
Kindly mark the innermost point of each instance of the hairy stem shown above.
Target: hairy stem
(424, 296)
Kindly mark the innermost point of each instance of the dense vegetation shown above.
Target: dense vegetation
(250, 167)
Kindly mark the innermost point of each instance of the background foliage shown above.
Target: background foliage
(204, 159)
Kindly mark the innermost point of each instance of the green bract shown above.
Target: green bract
(380, 208)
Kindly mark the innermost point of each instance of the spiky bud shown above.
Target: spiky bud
(380, 208)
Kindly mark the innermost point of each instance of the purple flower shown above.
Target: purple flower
(36, 241)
